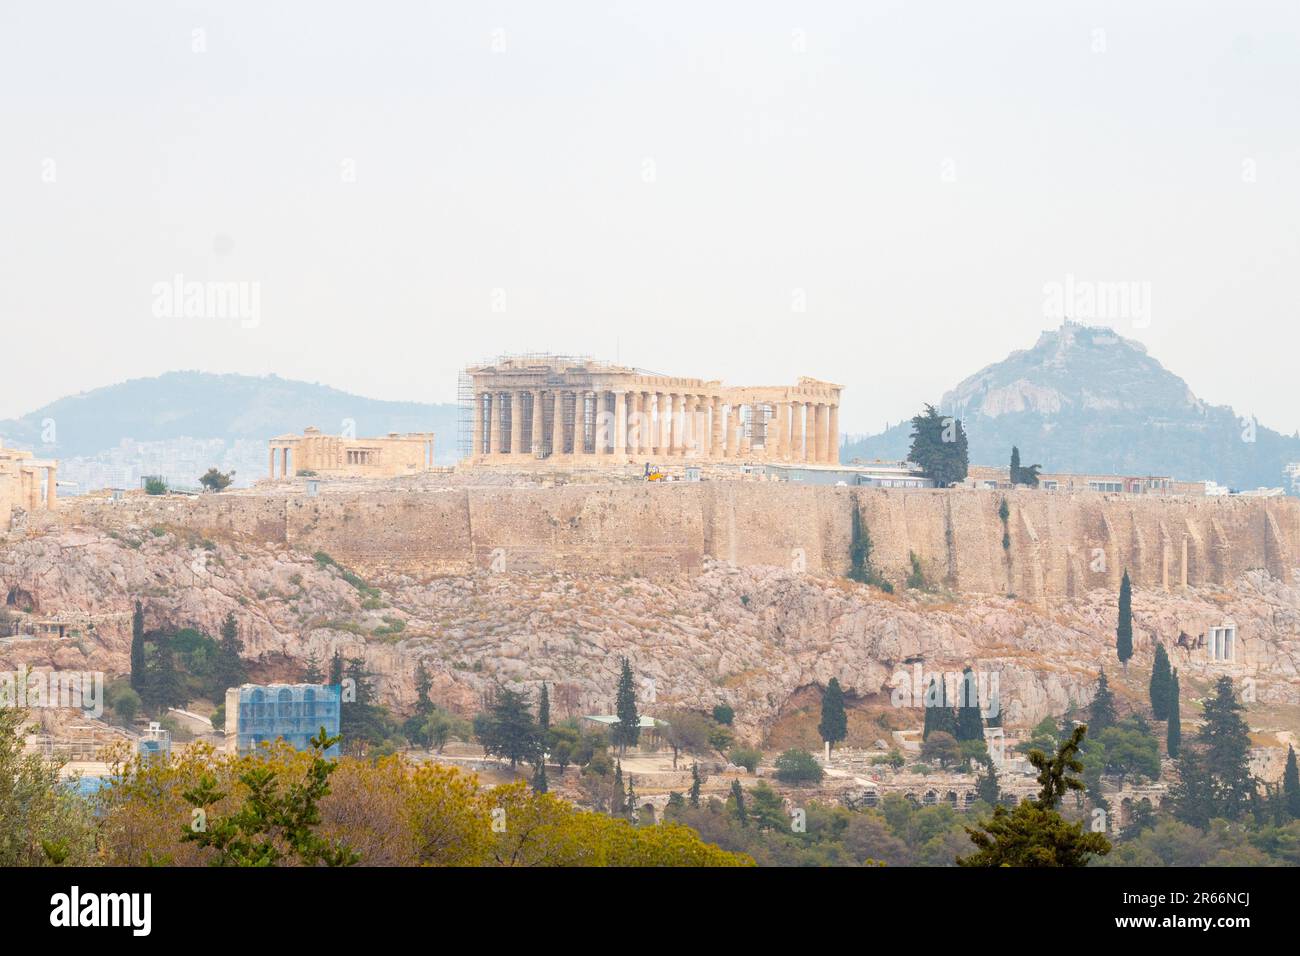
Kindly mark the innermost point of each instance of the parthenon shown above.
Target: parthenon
(571, 410)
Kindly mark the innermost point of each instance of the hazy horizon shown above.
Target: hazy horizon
(876, 196)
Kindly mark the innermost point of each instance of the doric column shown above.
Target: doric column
(557, 424)
(715, 427)
(772, 441)
(796, 431)
(695, 445)
(50, 483)
(273, 463)
(620, 423)
(671, 427)
(833, 436)
(595, 413)
(536, 445)
(733, 430)
(284, 462)
(477, 448)
(494, 424)
(783, 415)
(819, 434)
(516, 423)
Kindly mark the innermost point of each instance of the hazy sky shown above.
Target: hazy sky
(409, 187)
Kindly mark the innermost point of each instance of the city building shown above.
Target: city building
(154, 742)
(985, 476)
(336, 456)
(263, 713)
(567, 410)
(873, 474)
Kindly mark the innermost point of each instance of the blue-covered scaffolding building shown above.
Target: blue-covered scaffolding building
(263, 713)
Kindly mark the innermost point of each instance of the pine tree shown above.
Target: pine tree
(544, 710)
(631, 796)
(986, 785)
(738, 796)
(230, 670)
(628, 729)
(139, 667)
(1174, 730)
(1124, 630)
(1291, 784)
(313, 674)
(695, 785)
(423, 684)
(1160, 684)
(1192, 795)
(833, 725)
(970, 725)
(164, 687)
(939, 447)
(1226, 741)
(510, 731)
(336, 668)
(1103, 707)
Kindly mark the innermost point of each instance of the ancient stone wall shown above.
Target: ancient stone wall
(1058, 544)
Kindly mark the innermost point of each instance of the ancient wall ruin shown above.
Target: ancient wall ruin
(1058, 544)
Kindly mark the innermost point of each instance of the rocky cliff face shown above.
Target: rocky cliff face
(750, 636)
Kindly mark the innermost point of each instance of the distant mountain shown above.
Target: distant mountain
(182, 421)
(1084, 399)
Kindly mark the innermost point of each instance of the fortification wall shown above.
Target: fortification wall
(1058, 544)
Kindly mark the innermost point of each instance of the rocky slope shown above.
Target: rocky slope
(752, 637)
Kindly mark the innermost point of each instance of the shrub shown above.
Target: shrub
(746, 757)
(798, 767)
(155, 486)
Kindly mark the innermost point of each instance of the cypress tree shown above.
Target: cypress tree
(423, 684)
(631, 796)
(1015, 465)
(1124, 630)
(833, 725)
(628, 729)
(544, 710)
(618, 805)
(1291, 784)
(695, 785)
(139, 667)
(539, 776)
(1103, 707)
(1160, 684)
(1174, 731)
(970, 725)
(738, 795)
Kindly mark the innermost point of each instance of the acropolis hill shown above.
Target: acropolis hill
(719, 591)
(1061, 545)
